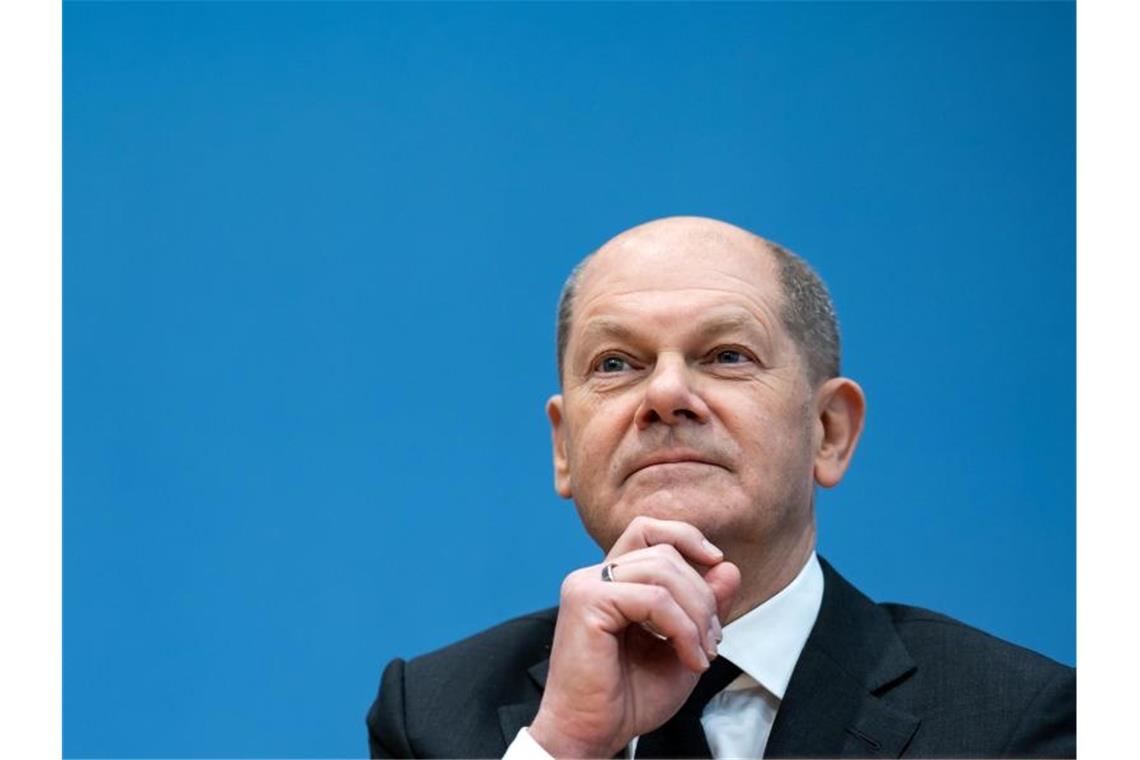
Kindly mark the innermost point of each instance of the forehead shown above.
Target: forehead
(680, 272)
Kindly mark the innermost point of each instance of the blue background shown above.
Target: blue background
(312, 253)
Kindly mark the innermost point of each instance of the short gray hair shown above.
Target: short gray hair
(808, 314)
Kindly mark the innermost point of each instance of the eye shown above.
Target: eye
(611, 363)
(729, 356)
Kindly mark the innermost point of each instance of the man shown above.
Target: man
(701, 402)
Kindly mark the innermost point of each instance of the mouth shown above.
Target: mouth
(672, 459)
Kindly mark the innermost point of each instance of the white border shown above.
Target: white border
(30, 378)
(1108, 206)
(30, 373)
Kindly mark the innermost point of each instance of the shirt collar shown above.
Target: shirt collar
(766, 642)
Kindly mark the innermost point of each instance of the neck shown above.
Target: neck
(766, 572)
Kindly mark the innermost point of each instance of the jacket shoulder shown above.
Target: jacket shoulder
(968, 683)
(932, 635)
(511, 646)
(446, 703)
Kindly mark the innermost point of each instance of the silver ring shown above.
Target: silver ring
(608, 577)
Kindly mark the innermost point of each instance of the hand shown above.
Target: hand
(610, 679)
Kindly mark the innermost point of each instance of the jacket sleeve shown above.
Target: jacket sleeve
(1048, 727)
(387, 736)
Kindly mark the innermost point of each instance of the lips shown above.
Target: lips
(670, 457)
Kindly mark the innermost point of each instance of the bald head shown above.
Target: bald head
(682, 234)
(807, 311)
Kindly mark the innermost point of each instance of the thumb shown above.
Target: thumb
(724, 580)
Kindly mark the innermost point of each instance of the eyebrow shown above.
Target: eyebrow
(607, 328)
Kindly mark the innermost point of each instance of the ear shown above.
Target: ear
(558, 443)
(840, 406)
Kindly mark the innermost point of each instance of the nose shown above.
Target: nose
(670, 397)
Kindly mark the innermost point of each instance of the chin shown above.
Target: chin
(717, 512)
(708, 511)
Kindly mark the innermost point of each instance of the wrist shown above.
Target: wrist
(551, 736)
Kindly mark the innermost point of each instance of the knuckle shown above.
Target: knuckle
(674, 572)
(658, 595)
(572, 586)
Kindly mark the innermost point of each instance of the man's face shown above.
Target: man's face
(683, 396)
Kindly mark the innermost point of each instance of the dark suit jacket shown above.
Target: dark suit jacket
(874, 680)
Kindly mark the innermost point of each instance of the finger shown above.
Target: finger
(654, 605)
(663, 565)
(724, 582)
(645, 531)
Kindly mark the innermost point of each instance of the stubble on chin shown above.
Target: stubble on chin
(712, 514)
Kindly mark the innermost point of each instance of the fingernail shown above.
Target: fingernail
(709, 547)
(715, 630)
(704, 657)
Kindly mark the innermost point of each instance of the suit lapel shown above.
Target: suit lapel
(833, 705)
(513, 717)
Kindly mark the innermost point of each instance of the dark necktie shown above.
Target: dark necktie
(682, 735)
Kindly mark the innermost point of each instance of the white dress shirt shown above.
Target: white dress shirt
(765, 644)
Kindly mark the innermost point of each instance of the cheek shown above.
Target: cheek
(600, 432)
(776, 448)
(592, 455)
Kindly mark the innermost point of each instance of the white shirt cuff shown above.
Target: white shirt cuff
(524, 747)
